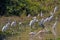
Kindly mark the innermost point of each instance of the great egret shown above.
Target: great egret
(13, 23)
(41, 23)
(51, 17)
(5, 27)
(32, 22)
(48, 19)
(45, 20)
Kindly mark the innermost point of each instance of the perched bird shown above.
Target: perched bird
(46, 20)
(33, 21)
(51, 17)
(13, 23)
(5, 27)
(41, 23)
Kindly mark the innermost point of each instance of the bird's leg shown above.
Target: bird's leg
(54, 33)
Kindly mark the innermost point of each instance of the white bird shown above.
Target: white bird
(51, 17)
(41, 23)
(45, 20)
(48, 19)
(55, 9)
(13, 23)
(5, 27)
(33, 21)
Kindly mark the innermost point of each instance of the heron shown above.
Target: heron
(13, 23)
(45, 20)
(41, 23)
(5, 27)
(52, 14)
(51, 17)
(48, 19)
(32, 22)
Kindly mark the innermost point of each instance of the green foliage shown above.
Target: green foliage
(17, 7)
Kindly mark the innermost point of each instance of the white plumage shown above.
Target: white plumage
(5, 27)
(52, 15)
(50, 18)
(33, 21)
(42, 21)
(45, 20)
(13, 23)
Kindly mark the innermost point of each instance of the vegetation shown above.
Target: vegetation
(33, 7)
(21, 32)
(22, 8)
